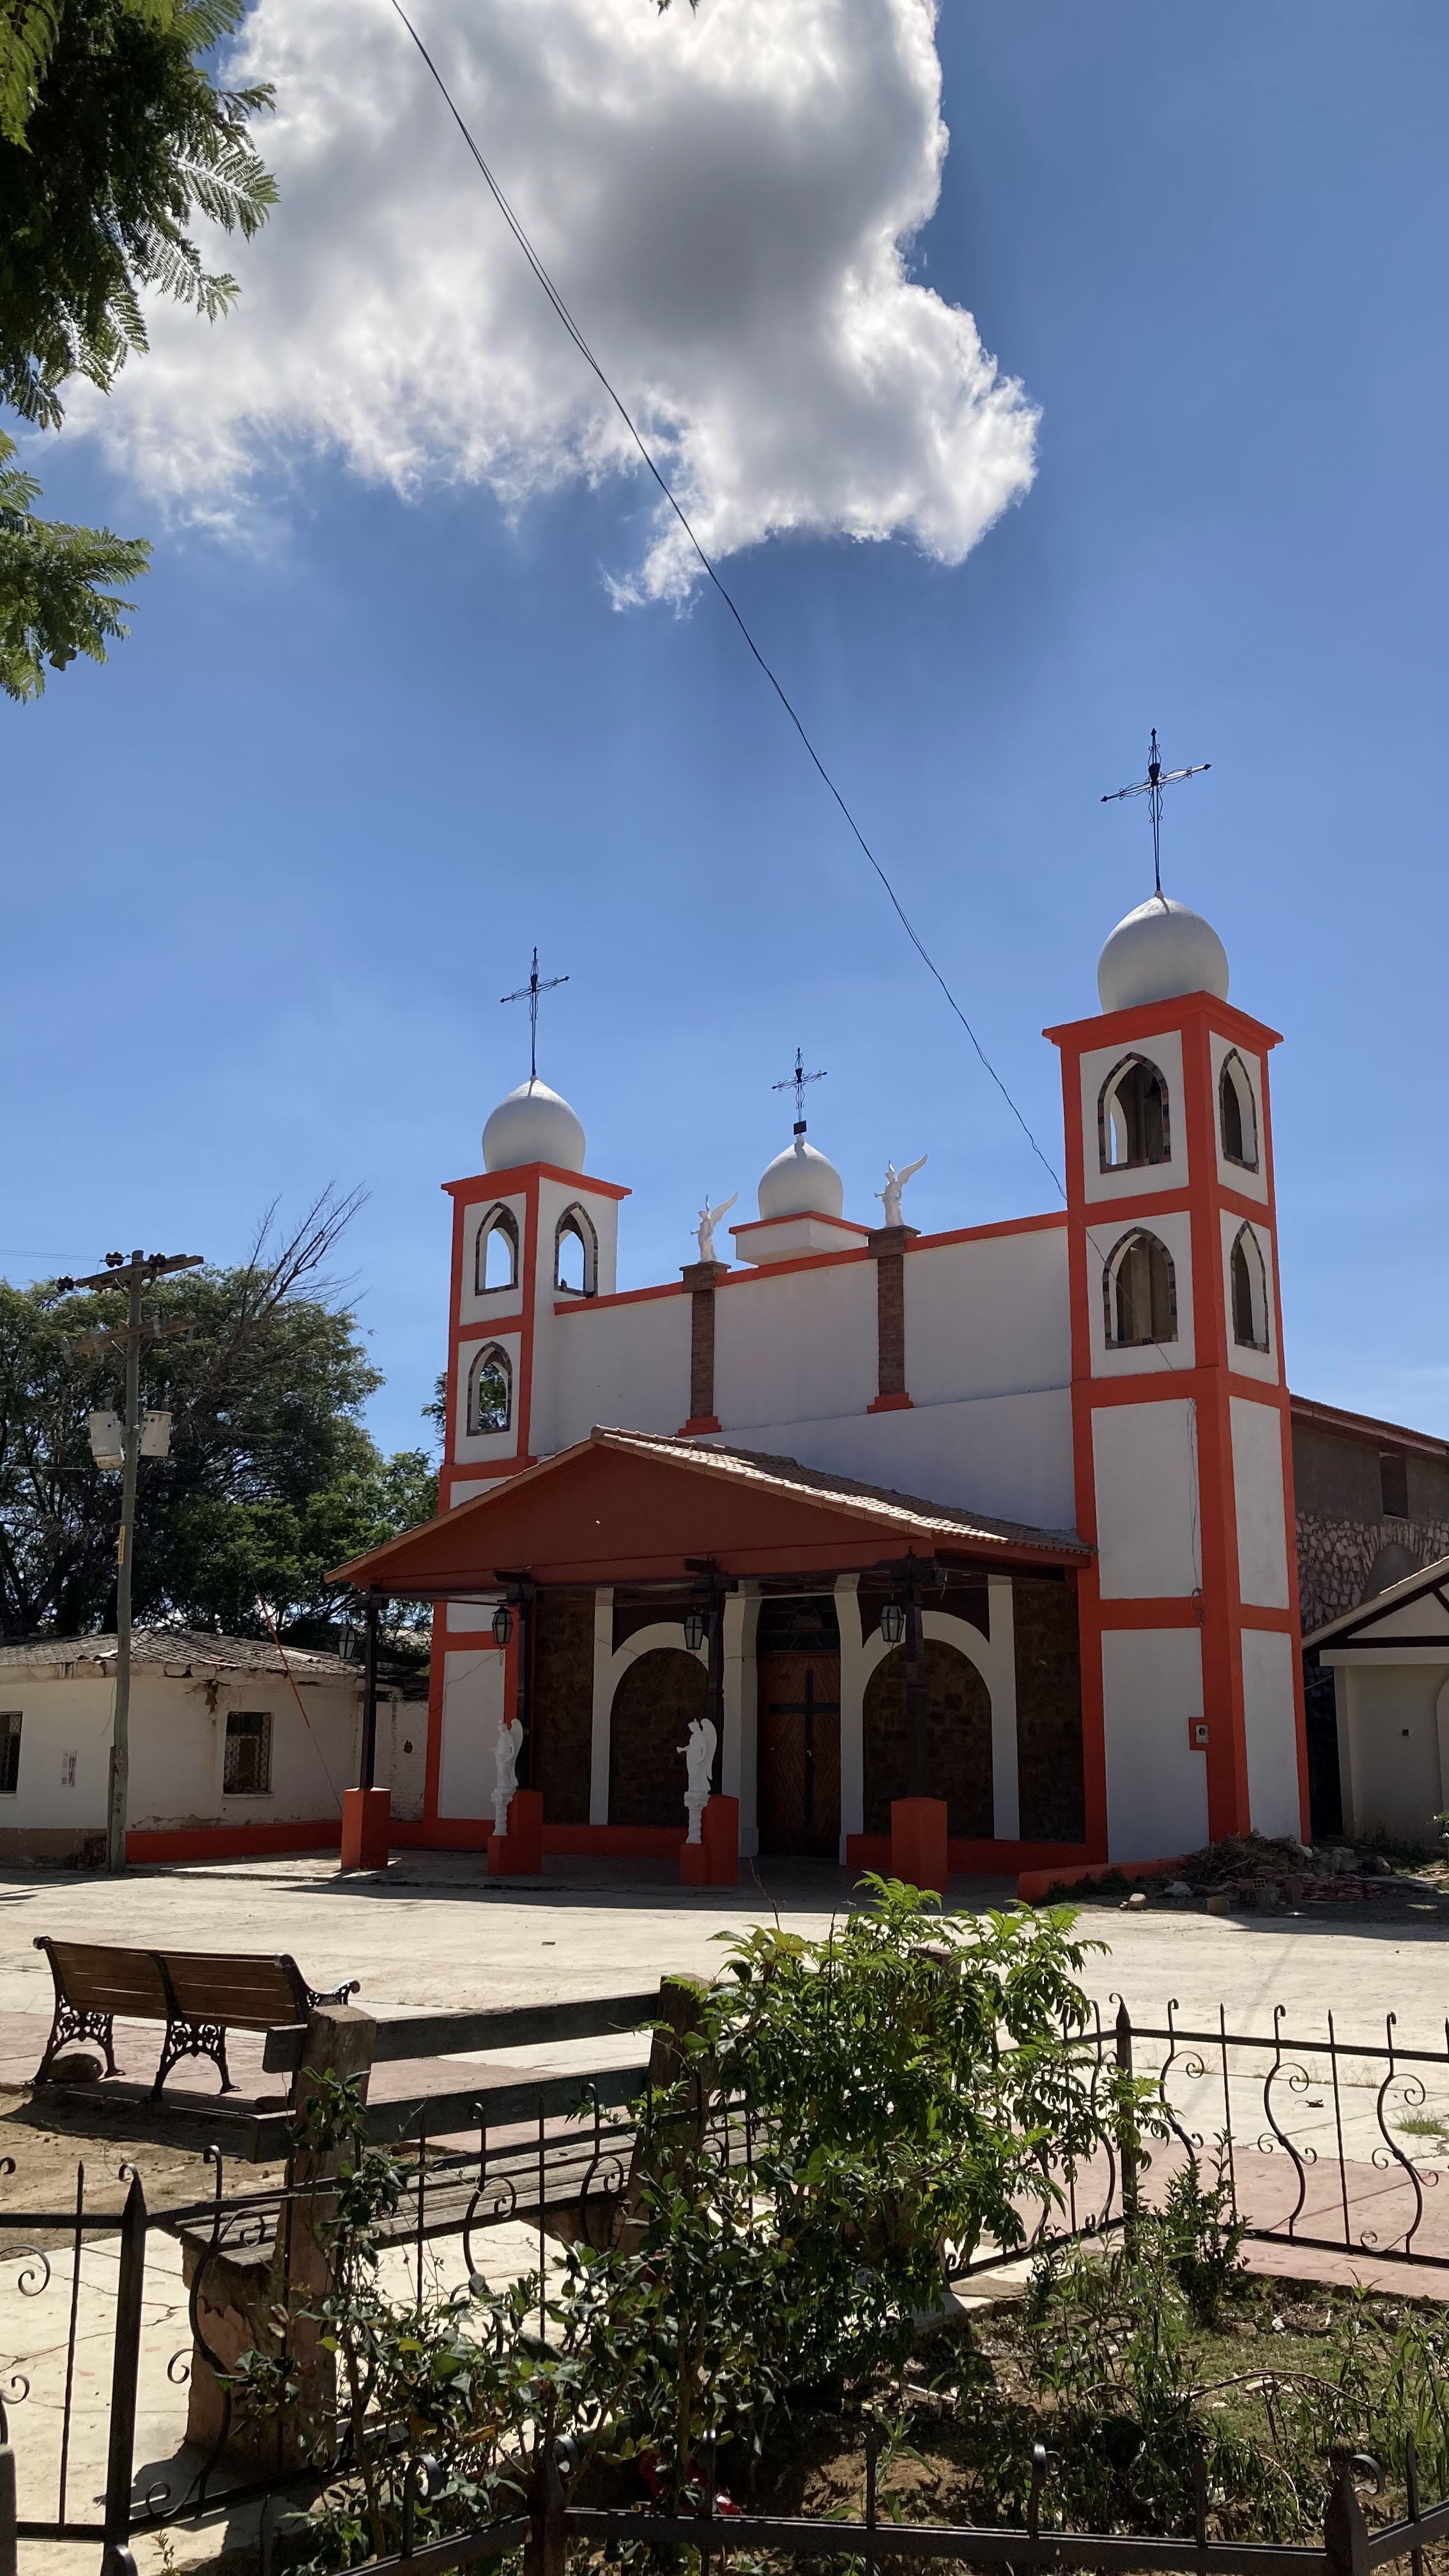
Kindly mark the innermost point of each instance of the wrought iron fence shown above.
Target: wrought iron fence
(1335, 2147)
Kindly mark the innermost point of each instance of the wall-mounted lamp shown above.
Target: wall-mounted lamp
(893, 1623)
(694, 1627)
(502, 1624)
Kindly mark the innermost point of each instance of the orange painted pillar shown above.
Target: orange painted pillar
(519, 1852)
(918, 1842)
(366, 1828)
(714, 1861)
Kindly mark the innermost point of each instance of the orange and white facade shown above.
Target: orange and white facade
(1107, 1379)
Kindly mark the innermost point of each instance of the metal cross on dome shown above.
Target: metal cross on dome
(529, 993)
(1151, 787)
(796, 1082)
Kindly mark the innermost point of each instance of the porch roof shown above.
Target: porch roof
(637, 1507)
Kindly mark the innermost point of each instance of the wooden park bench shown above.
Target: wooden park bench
(199, 1994)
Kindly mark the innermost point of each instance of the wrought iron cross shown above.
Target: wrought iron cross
(1151, 787)
(529, 993)
(796, 1082)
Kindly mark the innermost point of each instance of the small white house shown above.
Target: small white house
(234, 1747)
(1389, 1659)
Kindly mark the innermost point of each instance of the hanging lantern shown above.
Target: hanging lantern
(694, 1627)
(502, 1624)
(893, 1623)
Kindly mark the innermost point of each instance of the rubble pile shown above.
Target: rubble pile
(1268, 1874)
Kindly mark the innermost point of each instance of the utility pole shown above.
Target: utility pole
(135, 1276)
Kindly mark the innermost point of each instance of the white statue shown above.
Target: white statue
(507, 1746)
(699, 1767)
(708, 1219)
(895, 1182)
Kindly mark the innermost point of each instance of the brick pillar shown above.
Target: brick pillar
(699, 1278)
(887, 1249)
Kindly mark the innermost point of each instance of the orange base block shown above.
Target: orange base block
(918, 1842)
(519, 1852)
(366, 1828)
(714, 1861)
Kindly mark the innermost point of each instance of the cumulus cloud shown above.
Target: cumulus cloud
(726, 200)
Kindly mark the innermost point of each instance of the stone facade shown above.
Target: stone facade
(1362, 1488)
(958, 1740)
(1336, 1558)
(653, 1706)
(563, 1702)
(1048, 1712)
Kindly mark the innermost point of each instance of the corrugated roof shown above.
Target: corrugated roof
(847, 1493)
(180, 1652)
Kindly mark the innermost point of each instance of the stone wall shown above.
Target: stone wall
(1048, 1712)
(1335, 1558)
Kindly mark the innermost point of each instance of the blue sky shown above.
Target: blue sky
(270, 870)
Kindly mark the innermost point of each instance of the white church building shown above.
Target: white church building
(1064, 1439)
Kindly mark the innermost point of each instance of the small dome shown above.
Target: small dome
(801, 1182)
(1160, 950)
(533, 1126)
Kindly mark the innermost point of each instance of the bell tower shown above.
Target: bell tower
(1191, 1679)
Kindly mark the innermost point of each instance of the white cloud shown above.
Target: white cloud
(724, 199)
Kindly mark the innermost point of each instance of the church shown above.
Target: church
(1000, 1517)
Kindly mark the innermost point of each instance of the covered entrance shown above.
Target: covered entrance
(797, 1663)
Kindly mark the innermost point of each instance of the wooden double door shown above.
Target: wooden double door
(797, 1736)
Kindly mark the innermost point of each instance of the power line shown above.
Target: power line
(586, 353)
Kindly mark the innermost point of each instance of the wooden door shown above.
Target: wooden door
(798, 1752)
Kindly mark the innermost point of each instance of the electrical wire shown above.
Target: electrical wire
(586, 353)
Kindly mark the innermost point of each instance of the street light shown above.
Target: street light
(893, 1623)
(694, 1627)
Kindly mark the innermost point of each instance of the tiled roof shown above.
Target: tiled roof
(872, 1502)
(180, 1653)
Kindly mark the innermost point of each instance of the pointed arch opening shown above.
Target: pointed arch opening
(1237, 1114)
(1133, 1121)
(495, 1258)
(1249, 1282)
(1139, 1288)
(575, 1255)
(490, 1390)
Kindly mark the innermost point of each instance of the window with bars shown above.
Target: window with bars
(9, 1751)
(247, 1768)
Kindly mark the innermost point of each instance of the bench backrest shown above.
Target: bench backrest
(96, 1978)
(244, 1993)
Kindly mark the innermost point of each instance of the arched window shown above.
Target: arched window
(490, 1390)
(495, 1263)
(1237, 1114)
(575, 1255)
(1250, 1292)
(1140, 1292)
(1132, 1120)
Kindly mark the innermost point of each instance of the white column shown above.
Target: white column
(1005, 1791)
(730, 1763)
(853, 1674)
(603, 1702)
(749, 1717)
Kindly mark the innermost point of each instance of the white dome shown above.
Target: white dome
(1160, 950)
(533, 1126)
(801, 1182)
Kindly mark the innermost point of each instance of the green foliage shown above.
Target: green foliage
(1202, 2238)
(272, 1480)
(126, 138)
(54, 602)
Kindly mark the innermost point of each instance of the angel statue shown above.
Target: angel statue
(895, 1182)
(708, 1219)
(699, 1765)
(507, 1745)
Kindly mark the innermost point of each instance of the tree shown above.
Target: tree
(113, 138)
(272, 1477)
(53, 599)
